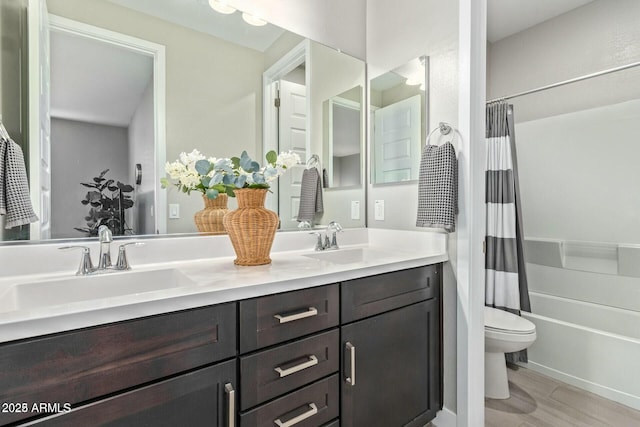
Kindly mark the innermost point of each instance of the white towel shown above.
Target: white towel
(310, 195)
(15, 201)
(438, 187)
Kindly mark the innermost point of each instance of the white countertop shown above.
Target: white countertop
(210, 280)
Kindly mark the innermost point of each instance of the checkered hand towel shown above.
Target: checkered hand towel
(310, 195)
(15, 202)
(438, 187)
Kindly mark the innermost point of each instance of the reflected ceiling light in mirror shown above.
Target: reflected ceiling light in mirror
(413, 81)
(253, 20)
(221, 6)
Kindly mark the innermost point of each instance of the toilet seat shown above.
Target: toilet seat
(500, 321)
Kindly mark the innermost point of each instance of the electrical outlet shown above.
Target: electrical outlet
(379, 210)
(355, 209)
(174, 211)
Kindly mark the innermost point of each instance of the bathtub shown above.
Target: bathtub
(588, 330)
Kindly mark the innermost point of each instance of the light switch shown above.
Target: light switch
(379, 210)
(355, 209)
(174, 211)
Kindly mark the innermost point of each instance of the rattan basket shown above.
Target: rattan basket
(209, 220)
(251, 227)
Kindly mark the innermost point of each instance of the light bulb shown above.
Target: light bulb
(253, 20)
(221, 7)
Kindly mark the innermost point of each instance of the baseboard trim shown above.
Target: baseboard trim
(607, 392)
(445, 418)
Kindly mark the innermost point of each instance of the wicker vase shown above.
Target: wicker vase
(209, 220)
(251, 227)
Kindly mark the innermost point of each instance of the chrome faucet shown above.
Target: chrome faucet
(328, 243)
(105, 237)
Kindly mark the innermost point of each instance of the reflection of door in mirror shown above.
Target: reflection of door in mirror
(102, 116)
(292, 135)
(396, 141)
(399, 108)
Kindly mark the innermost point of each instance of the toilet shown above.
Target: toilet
(503, 333)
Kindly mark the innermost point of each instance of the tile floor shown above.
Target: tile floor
(541, 401)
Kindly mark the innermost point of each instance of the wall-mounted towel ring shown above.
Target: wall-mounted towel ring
(314, 161)
(445, 129)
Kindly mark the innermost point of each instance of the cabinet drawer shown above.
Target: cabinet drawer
(377, 294)
(312, 406)
(273, 319)
(81, 365)
(199, 398)
(274, 372)
(335, 423)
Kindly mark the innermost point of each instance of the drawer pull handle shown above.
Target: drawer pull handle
(231, 410)
(310, 312)
(313, 409)
(351, 378)
(292, 370)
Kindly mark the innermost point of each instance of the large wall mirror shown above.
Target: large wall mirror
(134, 83)
(399, 118)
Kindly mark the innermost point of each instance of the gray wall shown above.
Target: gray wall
(79, 152)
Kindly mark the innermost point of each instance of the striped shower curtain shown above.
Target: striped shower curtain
(505, 277)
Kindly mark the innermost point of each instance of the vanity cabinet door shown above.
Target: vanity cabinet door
(83, 365)
(206, 397)
(391, 368)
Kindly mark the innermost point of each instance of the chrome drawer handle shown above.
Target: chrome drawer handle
(313, 409)
(312, 311)
(309, 363)
(351, 349)
(231, 393)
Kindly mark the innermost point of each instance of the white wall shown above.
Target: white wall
(142, 150)
(396, 35)
(79, 152)
(336, 23)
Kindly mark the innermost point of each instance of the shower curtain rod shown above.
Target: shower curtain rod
(566, 82)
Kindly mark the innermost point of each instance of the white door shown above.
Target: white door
(292, 135)
(39, 118)
(397, 133)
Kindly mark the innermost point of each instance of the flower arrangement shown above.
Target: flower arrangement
(212, 176)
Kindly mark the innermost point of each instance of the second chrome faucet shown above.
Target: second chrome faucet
(328, 243)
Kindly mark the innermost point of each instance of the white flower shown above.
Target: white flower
(191, 158)
(190, 178)
(287, 159)
(175, 169)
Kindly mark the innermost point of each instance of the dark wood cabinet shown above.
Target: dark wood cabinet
(391, 362)
(365, 352)
(77, 366)
(206, 397)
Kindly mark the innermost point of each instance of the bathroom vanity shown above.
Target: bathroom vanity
(363, 351)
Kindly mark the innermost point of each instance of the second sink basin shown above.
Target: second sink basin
(348, 256)
(27, 296)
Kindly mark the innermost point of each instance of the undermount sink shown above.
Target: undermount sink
(46, 293)
(348, 256)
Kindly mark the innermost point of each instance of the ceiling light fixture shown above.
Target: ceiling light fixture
(221, 6)
(253, 20)
(412, 81)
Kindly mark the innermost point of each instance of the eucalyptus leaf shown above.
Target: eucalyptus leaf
(242, 179)
(203, 167)
(212, 193)
(272, 157)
